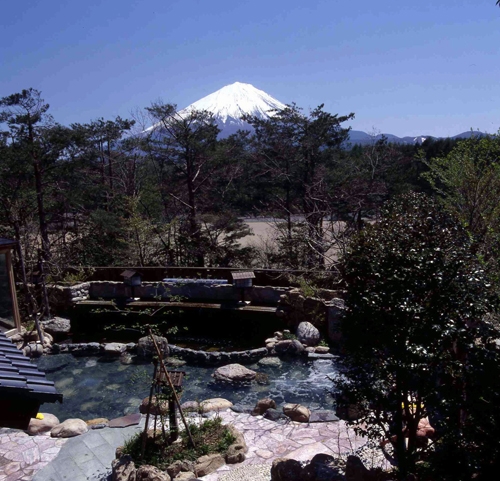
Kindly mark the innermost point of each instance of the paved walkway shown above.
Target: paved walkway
(88, 457)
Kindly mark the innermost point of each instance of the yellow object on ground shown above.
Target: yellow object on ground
(39, 416)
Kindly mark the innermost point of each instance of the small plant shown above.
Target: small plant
(288, 336)
(209, 437)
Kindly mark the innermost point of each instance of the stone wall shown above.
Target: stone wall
(63, 298)
(260, 295)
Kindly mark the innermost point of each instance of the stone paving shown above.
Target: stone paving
(21, 455)
(89, 456)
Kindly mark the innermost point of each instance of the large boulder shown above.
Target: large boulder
(59, 327)
(307, 334)
(208, 464)
(297, 412)
(69, 428)
(151, 473)
(286, 470)
(123, 469)
(234, 373)
(323, 467)
(289, 346)
(41, 426)
(146, 349)
(214, 404)
(355, 470)
(236, 451)
(263, 405)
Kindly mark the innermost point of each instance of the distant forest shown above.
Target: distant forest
(114, 193)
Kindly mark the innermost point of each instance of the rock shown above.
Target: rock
(57, 326)
(151, 473)
(275, 415)
(263, 405)
(47, 338)
(33, 349)
(322, 349)
(190, 406)
(236, 453)
(123, 469)
(215, 404)
(289, 346)
(323, 467)
(323, 416)
(158, 406)
(208, 464)
(185, 476)
(126, 358)
(297, 412)
(41, 426)
(242, 408)
(97, 421)
(69, 428)
(270, 361)
(286, 470)
(307, 334)
(175, 362)
(146, 348)
(315, 355)
(114, 348)
(279, 335)
(234, 373)
(355, 470)
(180, 466)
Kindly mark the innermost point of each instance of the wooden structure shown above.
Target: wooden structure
(243, 280)
(10, 322)
(23, 388)
(132, 278)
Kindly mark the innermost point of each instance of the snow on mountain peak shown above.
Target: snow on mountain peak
(232, 102)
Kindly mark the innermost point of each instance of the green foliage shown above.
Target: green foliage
(417, 338)
(209, 437)
(468, 181)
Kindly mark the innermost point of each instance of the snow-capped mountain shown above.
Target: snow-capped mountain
(230, 103)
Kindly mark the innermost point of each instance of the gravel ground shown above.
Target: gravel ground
(251, 472)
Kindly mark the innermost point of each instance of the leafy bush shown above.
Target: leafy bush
(418, 341)
(209, 437)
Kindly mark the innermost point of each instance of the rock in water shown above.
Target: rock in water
(307, 334)
(146, 348)
(234, 373)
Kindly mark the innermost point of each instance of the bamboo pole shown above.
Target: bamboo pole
(174, 392)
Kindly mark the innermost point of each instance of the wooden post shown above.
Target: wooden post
(167, 377)
(13, 295)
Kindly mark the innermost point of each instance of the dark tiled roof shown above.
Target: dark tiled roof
(21, 377)
(6, 243)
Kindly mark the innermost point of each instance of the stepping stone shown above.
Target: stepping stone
(315, 355)
(323, 417)
(123, 422)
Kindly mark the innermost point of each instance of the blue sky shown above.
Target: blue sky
(406, 68)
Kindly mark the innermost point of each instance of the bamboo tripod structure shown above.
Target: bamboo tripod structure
(174, 394)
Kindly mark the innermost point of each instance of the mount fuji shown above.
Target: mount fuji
(230, 103)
